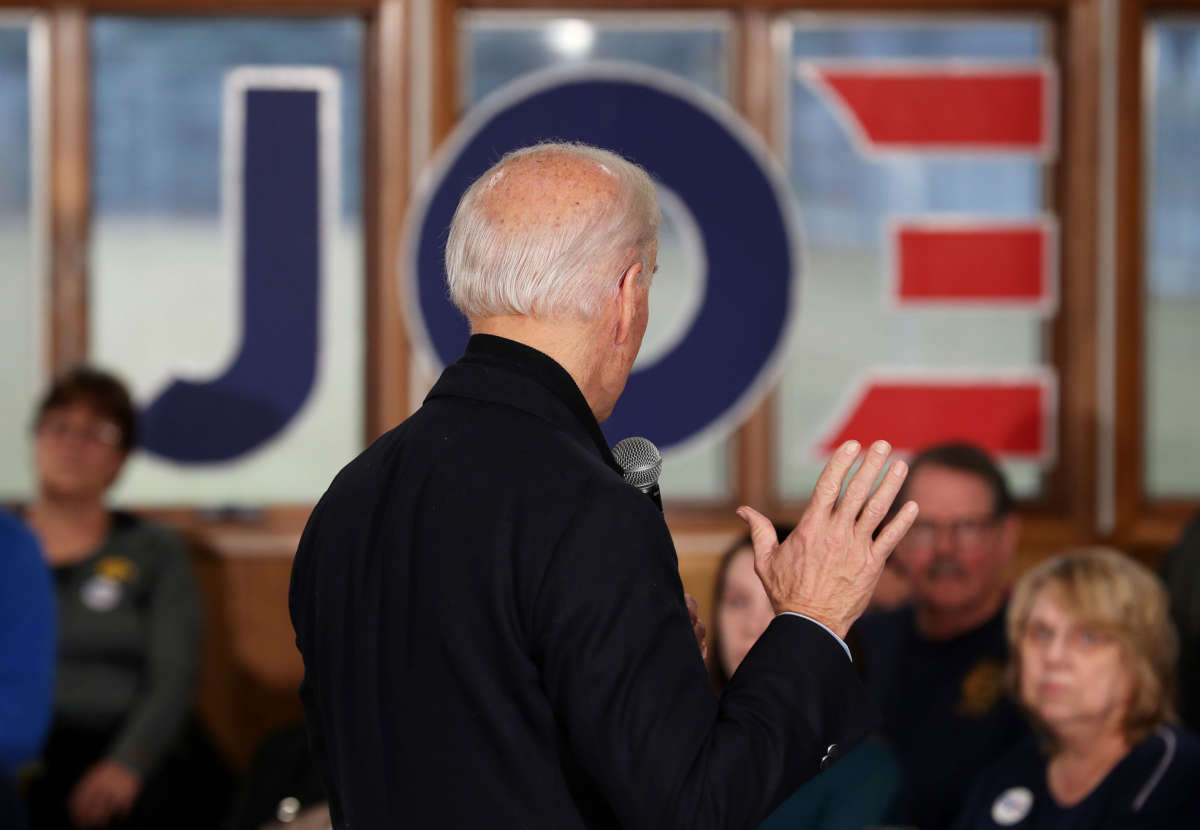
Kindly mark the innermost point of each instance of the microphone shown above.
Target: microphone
(642, 463)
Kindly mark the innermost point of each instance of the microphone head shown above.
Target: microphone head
(641, 461)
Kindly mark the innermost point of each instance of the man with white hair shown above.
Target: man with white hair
(492, 623)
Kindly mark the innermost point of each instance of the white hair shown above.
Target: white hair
(550, 269)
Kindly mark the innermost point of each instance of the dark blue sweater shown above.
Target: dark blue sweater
(1152, 788)
(26, 645)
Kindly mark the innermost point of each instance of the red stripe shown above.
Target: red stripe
(1002, 264)
(1005, 418)
(946, 108)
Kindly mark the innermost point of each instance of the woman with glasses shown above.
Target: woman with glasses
(129, 620)
(1093, 666)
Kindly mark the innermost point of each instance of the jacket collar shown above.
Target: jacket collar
(502, 371)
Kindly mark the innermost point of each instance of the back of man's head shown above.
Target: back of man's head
(548, 232)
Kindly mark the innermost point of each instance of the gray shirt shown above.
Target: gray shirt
(129, 636)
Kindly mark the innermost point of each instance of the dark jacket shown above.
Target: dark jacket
(494, 633)
(1152, 788)
(945, 711)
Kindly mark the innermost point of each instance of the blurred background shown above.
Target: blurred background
(123, 239)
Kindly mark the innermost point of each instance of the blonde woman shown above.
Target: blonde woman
(1093, 665)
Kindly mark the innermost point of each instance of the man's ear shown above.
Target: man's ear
(631, 294)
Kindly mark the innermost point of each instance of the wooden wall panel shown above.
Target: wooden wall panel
(1075, 333)
(386, 187)
(754, 444)
(70, 186)
(250, 667)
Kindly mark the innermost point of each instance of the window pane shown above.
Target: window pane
(853, 189)
(1172, 323)
(500, 47)
(200, 209)
(21, 308)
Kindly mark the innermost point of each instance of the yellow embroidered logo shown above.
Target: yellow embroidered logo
(981, 688)
(116, 568)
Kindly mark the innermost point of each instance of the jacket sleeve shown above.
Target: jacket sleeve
(172, 646)
(624, 674)
(27, 646)
(301, 613)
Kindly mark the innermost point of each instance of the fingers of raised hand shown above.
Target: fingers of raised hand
(762, 532)
(862, 482)
(829, 485)
(894, 531)
(882, 500)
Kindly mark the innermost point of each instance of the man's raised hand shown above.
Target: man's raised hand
(827, 568)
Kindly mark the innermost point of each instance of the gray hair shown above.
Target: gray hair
(550, 269)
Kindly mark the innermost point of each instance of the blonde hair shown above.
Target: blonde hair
(1106, 590)
(552, 270)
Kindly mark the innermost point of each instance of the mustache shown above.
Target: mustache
(943, 566)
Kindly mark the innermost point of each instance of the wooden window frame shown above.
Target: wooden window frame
(1068, 515)
(385, 191)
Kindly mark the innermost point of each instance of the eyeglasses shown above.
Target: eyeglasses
(1075, 637)
(101, 433)
(963, 532)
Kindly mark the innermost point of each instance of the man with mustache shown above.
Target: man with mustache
(936, 667)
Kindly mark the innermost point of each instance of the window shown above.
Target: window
(500, 47)
(178, 298)
(860, 187)
(22, 234)
(1172, 250)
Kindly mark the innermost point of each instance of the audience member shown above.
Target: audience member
(936, 667)
(854, 792)
(1181, 571)
(128, 621)
(26, 659)
(1093, 665)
